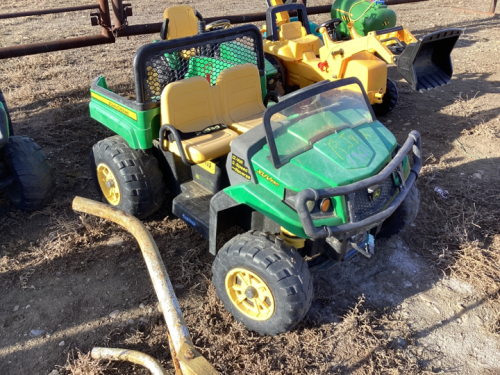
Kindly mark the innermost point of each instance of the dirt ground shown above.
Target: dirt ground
(427, 302)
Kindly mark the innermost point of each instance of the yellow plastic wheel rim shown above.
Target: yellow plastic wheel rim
(109, 184)
(250, 294)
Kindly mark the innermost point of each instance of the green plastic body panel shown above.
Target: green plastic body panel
(261, 199)
(270, 69)
(4, 126)
(327, 164)
(138, 133)
(367, 16)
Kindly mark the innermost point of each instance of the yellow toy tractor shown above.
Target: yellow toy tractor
(302, 58)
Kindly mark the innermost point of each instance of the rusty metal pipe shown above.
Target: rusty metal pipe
(56, 45)
(132, 356)
(493, 6)
(48, 11)
(105, 19)
(152, 28)
(118, 14)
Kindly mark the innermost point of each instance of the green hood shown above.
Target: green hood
(338, 159)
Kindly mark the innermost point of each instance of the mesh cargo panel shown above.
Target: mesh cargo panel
(206, 55)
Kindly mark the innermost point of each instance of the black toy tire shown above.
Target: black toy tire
(283, 270)
(389, 100)
(34, 184)
(139, 178)
(404, 215)
(2, 100)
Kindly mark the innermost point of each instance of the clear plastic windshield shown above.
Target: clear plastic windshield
(298, 127)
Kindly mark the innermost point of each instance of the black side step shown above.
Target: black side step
(193, 206)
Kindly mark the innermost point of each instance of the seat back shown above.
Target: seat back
(240, 93)
(291, 31)
(182, 21)
(187, 105)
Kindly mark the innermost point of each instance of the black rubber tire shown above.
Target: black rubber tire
(2, 100)
(283, 270)
(389, 100)
(404, 215)
(34, 184)
(140, 180)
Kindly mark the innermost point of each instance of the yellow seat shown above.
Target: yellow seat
(205, 147)
(188, 106)
(240, 94)
(182, 21)
(298, 40)
(247, 123)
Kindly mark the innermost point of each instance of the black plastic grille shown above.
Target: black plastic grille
(205, 55)
(364, 206)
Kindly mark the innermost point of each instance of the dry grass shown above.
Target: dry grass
(463, 231)
(82, 364)
(362, 342)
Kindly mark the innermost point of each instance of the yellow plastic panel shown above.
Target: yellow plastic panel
(290, 31)
(205, 147)
(182, 21)
(282, 17)
(370, 70)
(240, 93)
(187, 105)
(297, 41)
(281, 49)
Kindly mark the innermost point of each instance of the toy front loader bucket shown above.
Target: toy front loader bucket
(426, 64)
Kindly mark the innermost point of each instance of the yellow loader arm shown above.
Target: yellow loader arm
(426, 62)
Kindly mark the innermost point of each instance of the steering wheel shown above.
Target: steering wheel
(218, 25)
(330, 27)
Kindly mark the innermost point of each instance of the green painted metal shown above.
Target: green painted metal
(366, 15)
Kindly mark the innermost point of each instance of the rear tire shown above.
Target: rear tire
(34, 184)
(125, 178)
(404, 215)
(265, 287)
(389, 100)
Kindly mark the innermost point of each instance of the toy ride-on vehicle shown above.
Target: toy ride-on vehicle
(311, 178)
(303, 58)
(25, 175)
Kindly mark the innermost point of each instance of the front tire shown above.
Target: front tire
(404, 215)
(127, 179)
(389, 100)
(265, 286)
(33, 185)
